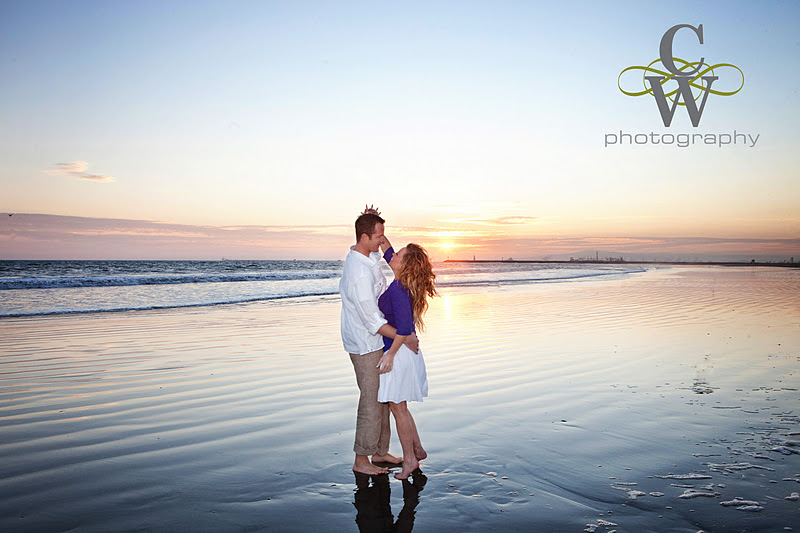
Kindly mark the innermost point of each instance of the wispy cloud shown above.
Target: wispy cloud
(68, 237)
(494, 221)
(78, 170)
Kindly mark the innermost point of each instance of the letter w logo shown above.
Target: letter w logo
(685, 90)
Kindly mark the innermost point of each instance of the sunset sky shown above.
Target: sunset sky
(259, 129)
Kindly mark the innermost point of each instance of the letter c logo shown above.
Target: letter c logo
(666, 49)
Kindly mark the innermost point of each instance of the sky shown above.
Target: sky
(258, 130)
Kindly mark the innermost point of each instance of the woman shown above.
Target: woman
(402, 372)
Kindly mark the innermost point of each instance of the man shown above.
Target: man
(363, 326)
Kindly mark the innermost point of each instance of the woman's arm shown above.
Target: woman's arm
(386, 244)
(400, 301)
(409, 340)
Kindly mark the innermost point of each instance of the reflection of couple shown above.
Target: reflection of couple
(378, 331)
(374, 510)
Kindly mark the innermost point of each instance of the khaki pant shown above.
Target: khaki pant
(372, 425)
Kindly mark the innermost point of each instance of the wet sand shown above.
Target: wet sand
(662, 401)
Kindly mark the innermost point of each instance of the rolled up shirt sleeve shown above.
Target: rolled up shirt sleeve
(367, 305)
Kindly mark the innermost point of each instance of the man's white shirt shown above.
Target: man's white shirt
(361, 284)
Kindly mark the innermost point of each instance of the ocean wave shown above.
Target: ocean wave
(166, 306)
(63, 282)
(295, 290)
(546, 278)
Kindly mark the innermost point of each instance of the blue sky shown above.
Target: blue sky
(470, 123)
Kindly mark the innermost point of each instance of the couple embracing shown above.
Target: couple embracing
(379, 332)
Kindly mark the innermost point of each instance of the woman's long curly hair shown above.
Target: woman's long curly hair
(416, 275)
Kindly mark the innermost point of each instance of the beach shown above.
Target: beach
(660, 400)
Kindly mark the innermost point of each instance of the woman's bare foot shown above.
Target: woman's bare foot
(408, 469)
(419, 452)
(387, 458)
(364, 466)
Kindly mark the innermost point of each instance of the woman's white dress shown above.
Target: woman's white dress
(408, 380)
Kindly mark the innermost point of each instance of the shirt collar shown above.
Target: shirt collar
(372, 260)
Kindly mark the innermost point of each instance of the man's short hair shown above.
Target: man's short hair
(366, 224)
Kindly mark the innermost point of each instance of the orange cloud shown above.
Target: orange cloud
(77, 170)
(495, 221)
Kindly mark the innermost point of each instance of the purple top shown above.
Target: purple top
(395, 304)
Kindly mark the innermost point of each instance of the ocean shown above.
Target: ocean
(32, 288)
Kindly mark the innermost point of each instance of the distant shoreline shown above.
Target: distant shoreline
(618, 262)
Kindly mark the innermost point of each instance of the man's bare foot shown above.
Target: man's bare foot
(363, 466)
(408, 469)
(387, 458)
(420, 453)
(370, 470)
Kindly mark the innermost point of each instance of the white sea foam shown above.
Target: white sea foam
(706, 492)
(785, 450)
(738, 502)
(685, 476)
(592, 528)
(734, 467)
